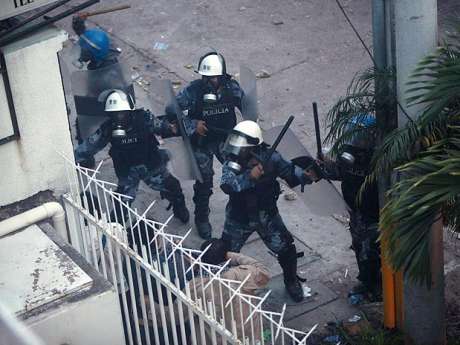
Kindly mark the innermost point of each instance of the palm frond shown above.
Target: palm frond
(359, 101)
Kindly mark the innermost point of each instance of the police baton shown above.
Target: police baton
(275, 144)
(319, 150)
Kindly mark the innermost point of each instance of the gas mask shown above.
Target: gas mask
(121, 121)
(212, 86)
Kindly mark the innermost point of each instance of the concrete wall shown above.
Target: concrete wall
(31, 164)
(415, 37)
(91, 321)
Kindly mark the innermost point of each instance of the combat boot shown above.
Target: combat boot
(181, 212)
(204, 228)
(288, 262)
(201, 200)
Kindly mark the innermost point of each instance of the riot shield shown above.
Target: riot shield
(183, 161)
(322, 197)
(88, 88)
(249, 108)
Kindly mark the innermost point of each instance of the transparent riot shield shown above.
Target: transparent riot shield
(322, 197)
(89, 88)
(183, 162)
(249, 102)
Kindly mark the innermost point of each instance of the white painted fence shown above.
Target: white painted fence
(167, 294)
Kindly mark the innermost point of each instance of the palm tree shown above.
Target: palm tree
(425, 153)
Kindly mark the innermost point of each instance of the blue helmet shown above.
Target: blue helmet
(363, 120)
(364, 124)
(95, 44)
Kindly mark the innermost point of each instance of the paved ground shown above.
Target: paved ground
(311, 54)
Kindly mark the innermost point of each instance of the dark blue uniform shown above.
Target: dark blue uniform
(364, 218)
(111, 59)
(219, 117)
(137, 157)
(272, 230)
(263, 195)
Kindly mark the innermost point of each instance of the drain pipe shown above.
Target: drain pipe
(51, 210)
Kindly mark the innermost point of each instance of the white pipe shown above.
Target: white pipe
(51, 210)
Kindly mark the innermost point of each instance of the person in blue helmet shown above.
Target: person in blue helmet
(95, 45)
(97, 53)
(351, 168)
(209, 103)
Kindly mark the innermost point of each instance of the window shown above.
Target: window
(8, 124)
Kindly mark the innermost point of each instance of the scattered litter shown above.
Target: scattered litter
(135, 76)
(277, 21)
(135, 68)
(355, 299)
(354, 318)
(306, 291)
(176, 82)
(346, 273)
(189, 66)
(160, 46)
(357, 327)
(341, 218)
(109, 30)
(148, 66)
(242, 8)
(332, 339)
(267, 334)
(290, 195)
(263, 74)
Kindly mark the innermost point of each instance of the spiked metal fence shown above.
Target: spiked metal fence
(167, 294)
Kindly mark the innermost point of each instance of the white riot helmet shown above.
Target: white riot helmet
(244, 137)
(120, 105)
(212, 65)
(118, 100)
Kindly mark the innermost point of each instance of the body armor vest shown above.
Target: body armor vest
(220, 114)
(139, 146)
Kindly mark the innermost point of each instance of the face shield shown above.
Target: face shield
(358, 149)
(238, 148)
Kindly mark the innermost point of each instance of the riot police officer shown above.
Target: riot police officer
(95, 45)
(243, 176)
(134, 151)
(210, 104)
(351, 168)
(95, 50)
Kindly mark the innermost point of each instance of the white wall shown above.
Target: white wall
(91, 321)
(31, 164)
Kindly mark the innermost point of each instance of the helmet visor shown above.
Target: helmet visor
(237, 145)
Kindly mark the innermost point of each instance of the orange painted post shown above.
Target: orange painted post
(388, 290)
(399, 300)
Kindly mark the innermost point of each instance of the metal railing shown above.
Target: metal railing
(167, 294)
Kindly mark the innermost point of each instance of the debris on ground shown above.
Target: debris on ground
(290, 195)
(306, 291)
(277, 21)
(333, 339)
(355, 299)
(354, 318)
(242, 8)
(341, 218)
(357, 327)
(160, 46)
(176, 82)
(263, 74)
(135, 76)
(188, 66)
